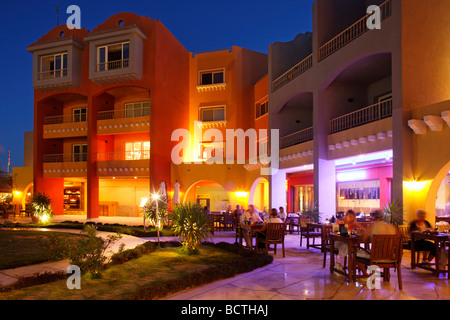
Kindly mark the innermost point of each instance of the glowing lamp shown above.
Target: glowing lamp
(241, 194)
(351, 176)
(17, 193)
(143, 202)
(155, 196)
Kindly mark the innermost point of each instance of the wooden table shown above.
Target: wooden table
(440, 240)
(312, 226)
(251, 231)
(353, 242)
(293, 221)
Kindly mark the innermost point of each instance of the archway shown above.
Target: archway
(436, 190)
(208, 193)
(259, 194)
(27, 194)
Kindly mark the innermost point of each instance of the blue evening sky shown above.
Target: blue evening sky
(198, 24)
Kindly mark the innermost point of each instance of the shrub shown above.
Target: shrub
(56, 247)
(191, 225)
(42, 208)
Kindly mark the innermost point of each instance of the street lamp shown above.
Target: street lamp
(142, 205)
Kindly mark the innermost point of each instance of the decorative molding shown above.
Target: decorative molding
(418, 126)
(214, 124)
(435, 123)
(211, 87)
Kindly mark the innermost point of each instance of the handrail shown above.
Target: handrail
(293, 73)
(123, 113)
(52, 74)
(67, 118)
(66, 157)
(351, 33)
(357, 118)
(123, 155)
(113, 65)
(297, 138)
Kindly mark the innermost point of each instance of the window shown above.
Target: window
(137, 109)
(212, 114)
(262, 109)
(137, 150)
(212, 77)
(53, 66)
(114, 56)
(79, 115)
(79, 152)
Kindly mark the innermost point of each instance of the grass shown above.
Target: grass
(123, 281)
(20, 248)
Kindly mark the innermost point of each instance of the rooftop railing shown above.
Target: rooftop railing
(123, 113)
(360, 117)
(292, 73)
(297, 138)
(351, 33)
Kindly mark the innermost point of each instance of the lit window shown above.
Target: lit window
(137, 109)
(137, 150)
(262, 109)
(212, 77)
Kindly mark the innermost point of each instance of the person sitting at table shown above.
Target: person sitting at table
(282, 214)
(261, 234)
(251, 216)
(428, 247)
(342, 247)
(206, 210)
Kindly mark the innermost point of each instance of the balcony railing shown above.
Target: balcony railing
(123, 155)
(352, 32)
(293, 73)
(68, 118)
(123, 113)
(360, 117)
(70, 157)
(52, 74)
(297, 138)
(113, 65)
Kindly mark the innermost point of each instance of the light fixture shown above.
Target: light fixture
(155, 196)
(143, 202)
(241, 194)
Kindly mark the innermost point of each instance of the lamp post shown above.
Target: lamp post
(142, 205)
(156, 198)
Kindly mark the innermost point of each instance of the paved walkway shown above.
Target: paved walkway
(297, 276)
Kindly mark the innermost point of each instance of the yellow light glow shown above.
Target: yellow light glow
(17, 193)
(415, 186)
(155, 196)
(241, 194)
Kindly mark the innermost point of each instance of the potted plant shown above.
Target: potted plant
(5, 205)
(41, 208)
(393, 213)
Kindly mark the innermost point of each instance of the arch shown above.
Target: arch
(25, 192)
(430, 202)
(191, 192)
(251, 196)
(346, 66)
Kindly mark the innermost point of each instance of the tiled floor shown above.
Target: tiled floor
(300, 276)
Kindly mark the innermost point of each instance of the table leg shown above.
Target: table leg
(307, 237)
(351, 267)
(413, 254)
(438, 257)
(331, 256)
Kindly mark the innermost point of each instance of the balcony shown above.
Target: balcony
(353, 32)
(65, 165)
(293, 73)
(113, 65)
(52, 74)
(361, 117)
(65, 126)
(297, 138)
(123, 121)
(123, 163)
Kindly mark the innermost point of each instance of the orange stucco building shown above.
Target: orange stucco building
(107, 101)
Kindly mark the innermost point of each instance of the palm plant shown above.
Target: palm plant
(312, 212)
(42, 208)
(393, 213)
(191, 225)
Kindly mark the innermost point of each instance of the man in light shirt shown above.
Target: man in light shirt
(282, 214)
(252, 216)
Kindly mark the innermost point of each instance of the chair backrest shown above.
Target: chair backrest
(228, 217)
(386, 248)
(443, 227)
(326, 238)
(275, 231)
(404, 232)
(304, 222)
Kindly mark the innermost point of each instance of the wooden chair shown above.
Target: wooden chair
(406, 237)
(443, 227)
(307, 234)
(293, 224)
(275, 233)
(326, 244)
(227, 223)
(386, 253)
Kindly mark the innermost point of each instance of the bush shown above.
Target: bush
(42, 208)
(191, 225)
(56, 247)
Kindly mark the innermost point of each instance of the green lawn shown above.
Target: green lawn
(20, 248)
(122, 281)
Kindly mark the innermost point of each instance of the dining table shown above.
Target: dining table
(252, 229)
(353, 242)
(440, 240)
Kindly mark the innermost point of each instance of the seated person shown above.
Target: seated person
(421, 224)
(251, 216)
(282, 214)
(261, 234)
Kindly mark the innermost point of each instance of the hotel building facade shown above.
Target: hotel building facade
(363, 115)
